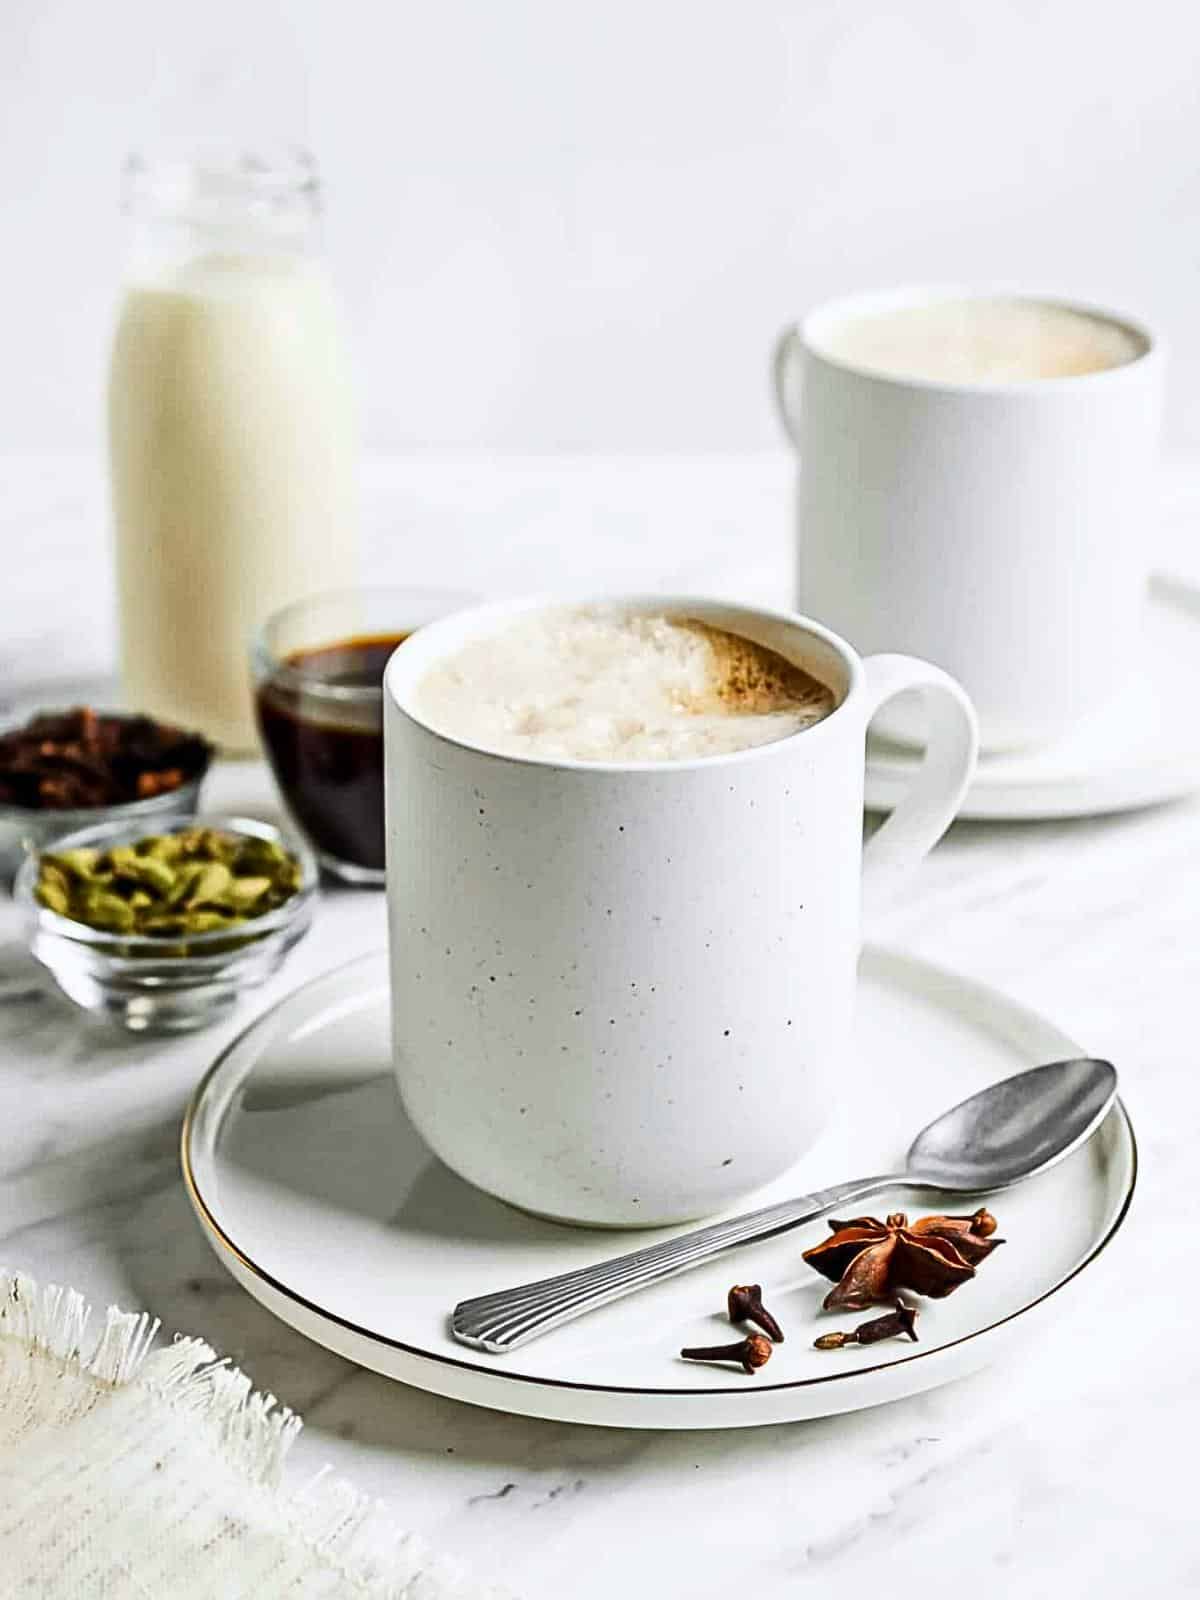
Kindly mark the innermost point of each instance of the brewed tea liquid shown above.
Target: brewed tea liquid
(328, 755)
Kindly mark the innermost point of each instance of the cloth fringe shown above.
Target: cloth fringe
(345, 1531)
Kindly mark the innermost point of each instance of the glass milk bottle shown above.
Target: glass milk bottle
(231, 428)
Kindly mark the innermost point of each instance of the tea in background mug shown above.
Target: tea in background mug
(998, 528)
(622, 991)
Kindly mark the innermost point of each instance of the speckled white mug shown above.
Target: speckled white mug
(621, 991)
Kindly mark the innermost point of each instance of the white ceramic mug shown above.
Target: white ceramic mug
(621, 992)
(999, 529)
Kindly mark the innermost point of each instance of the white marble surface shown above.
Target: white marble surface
(1068, 1471)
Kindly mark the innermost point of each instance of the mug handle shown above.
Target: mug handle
(934, 796)
(787, 348)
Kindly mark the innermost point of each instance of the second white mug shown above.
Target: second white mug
(997, 528)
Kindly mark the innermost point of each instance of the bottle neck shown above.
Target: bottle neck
(220, 201)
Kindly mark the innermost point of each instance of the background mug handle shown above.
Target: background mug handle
(788, 347)
(932, 800)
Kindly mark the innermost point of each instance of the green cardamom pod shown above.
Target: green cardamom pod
(53, 895)
(261, 856)
(243, 892)
(161, 847)
(76, 863)
(210, 884)
(119, 860)
(104, 910)
(186, 876)
(151, 872)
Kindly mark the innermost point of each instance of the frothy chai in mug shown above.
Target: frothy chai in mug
(982, 341)
(596, 684)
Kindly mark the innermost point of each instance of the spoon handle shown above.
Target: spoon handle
(510, 1317)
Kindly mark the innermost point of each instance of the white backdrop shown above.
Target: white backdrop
(562, 225)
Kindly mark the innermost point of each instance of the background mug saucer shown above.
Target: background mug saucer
(1140, 751)
(320, 1199)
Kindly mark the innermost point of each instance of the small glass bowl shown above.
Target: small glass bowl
(320, 713)
(24, 830)
(132, 980)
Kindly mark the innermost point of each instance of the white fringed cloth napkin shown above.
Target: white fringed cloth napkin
(134, 1473)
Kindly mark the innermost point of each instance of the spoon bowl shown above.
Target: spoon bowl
(1014, 1128)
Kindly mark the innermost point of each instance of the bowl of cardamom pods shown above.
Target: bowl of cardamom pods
(162, 931)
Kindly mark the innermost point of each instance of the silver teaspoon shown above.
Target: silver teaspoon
(998, 1137)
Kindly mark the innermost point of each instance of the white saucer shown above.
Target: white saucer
(323, 1203)
(1111, 762)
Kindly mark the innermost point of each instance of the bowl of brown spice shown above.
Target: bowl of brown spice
(161, 932)
(61, 770)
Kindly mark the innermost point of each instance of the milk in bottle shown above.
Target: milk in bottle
(231, 430)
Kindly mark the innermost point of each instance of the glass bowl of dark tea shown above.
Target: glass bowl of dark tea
(318, 678)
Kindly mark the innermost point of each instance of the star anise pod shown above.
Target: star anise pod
(871, 1261)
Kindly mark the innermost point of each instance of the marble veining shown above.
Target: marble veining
(1063, 1472)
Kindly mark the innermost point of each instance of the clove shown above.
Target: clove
(900, 1321)
(745, 1305)
(750, 1353)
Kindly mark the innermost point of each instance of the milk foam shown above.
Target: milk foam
(982, 341)
(594, 684)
